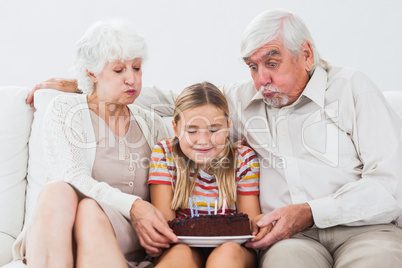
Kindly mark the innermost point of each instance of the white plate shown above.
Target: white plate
(211, 241)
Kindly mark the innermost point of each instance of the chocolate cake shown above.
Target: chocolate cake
(212, 225)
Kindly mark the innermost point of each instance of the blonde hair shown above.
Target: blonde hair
(223, 166)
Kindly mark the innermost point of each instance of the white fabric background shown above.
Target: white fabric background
(194, 40)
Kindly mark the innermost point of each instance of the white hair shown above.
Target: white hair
(103, 42)
(272, 24)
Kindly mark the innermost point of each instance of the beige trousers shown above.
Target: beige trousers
(340, 247)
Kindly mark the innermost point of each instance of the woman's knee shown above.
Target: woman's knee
(90, 216)
(54, 215)
(57, 190)
(57, 197)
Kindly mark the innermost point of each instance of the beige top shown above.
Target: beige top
(121, 162)
(70, 147)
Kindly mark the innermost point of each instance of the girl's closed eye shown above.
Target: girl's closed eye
(215, 127)
(214, 130)
(191, 130)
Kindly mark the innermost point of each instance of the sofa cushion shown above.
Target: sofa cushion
(37, 170)
(16, 119)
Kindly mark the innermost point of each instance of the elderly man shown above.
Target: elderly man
(329, 149)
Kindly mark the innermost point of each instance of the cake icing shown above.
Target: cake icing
(212, 225)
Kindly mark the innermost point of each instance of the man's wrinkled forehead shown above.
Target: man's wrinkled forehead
(269, 54)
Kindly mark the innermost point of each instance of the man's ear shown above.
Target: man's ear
(308, 55)
(92, 77)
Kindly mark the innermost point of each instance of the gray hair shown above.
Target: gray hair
(276, 23)
(103, 42)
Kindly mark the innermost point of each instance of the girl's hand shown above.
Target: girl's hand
(259, 232)
(154, 254)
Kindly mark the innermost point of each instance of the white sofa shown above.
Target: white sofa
(22, 171)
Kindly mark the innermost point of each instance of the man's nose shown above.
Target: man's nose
(264, 76)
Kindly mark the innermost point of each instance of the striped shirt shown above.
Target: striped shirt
(163, 171)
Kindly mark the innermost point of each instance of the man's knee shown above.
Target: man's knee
(296, 253)
(379, 247)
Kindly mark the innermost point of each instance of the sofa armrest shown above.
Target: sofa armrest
(15, 264)
(16, 120)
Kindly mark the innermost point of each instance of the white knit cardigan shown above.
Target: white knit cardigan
(70, 147)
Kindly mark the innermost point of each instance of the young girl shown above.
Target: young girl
(201, 163)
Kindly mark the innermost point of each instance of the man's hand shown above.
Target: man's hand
(151, 227)
(65, 85)
(288, 221)
(242, 142)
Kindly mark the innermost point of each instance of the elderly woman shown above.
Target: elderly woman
(95, 212)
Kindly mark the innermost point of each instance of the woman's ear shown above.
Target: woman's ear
(92, 77)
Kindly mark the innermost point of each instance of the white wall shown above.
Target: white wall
(195, 40)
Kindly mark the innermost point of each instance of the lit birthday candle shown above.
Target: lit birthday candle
(216, 205)
(224, 206)
(191, 207)
(209, 208)
(196, 207)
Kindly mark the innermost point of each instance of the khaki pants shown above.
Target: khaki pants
(340, 247)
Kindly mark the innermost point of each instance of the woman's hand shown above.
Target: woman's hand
(65, 85)
(151, 227)
(259, 232)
